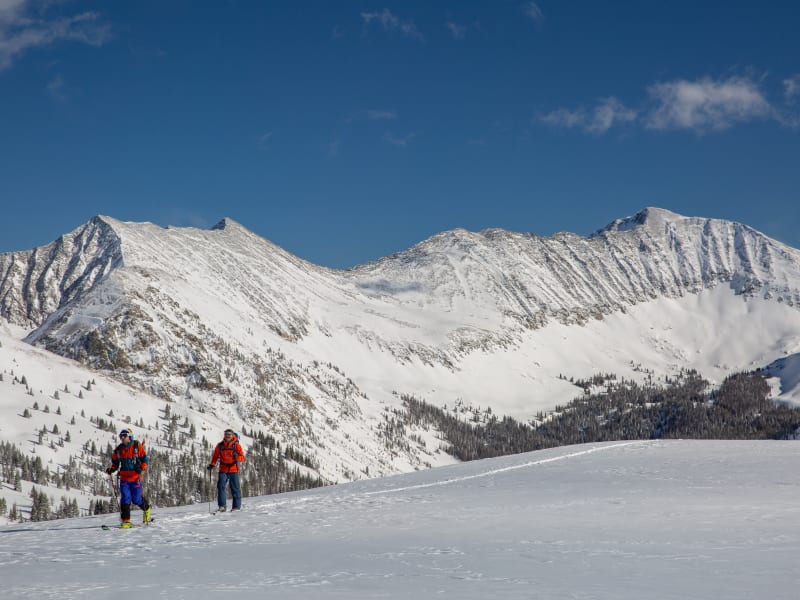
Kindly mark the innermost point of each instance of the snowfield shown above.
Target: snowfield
(626, 520)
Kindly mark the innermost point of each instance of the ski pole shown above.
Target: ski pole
(208, 491)
(141, 483)
(114, 489)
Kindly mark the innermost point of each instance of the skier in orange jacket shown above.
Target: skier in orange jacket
(130, 458)
(229, 454)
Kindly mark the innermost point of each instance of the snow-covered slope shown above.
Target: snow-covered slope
(35, 283)
(224, 322)
(660, 520)
(533, 280)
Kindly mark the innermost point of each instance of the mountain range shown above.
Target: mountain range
(232, 330)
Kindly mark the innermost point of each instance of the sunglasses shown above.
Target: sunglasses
(123, 435)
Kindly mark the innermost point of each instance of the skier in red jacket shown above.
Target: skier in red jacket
(229, 454)
(130, 458)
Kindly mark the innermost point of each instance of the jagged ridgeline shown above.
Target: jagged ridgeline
(231, 330)
(681, 408)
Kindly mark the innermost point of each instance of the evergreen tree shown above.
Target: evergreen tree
(40, 509)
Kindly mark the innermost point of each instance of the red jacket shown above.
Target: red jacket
(229, 456)
(125, 458)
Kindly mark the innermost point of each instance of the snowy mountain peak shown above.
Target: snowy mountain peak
(227, 223)
(231, 324)
(35, 283)
(654, 219)
(452, 240)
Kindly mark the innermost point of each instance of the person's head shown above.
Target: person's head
(229, 435)
(125, 436)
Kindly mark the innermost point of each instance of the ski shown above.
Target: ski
(110, 527)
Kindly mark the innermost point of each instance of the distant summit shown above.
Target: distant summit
(228, 223)
(656, 219)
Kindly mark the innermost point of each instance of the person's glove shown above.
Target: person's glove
(210, 467)
(109, 470)
(138, 468)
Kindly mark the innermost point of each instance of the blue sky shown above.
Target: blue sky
(345, 131)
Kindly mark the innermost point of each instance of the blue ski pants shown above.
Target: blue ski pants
(222, 483)
(130, 492)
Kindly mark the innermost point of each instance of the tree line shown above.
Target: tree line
(681, 408)
(685, 406)
(174, 477)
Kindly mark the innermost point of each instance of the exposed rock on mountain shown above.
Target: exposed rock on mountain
(226, 320)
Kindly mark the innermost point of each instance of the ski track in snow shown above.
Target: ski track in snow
(504, 469)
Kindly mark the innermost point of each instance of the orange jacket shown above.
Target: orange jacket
(125, 458)
(229, 456)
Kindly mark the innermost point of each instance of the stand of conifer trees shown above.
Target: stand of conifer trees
(625, 410)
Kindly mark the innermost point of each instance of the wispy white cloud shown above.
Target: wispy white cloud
(264, 138)
(10, 9)
(607, 113)
(791, 88)
(381, 115)
(56, 88)
(532, 11)
(706, 104)
(19, 31)
(401, 142)
(390, 22)
(702, 106)
(458, 31)
(610, 112)
(566, 118)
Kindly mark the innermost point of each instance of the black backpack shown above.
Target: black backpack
(221, 446)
